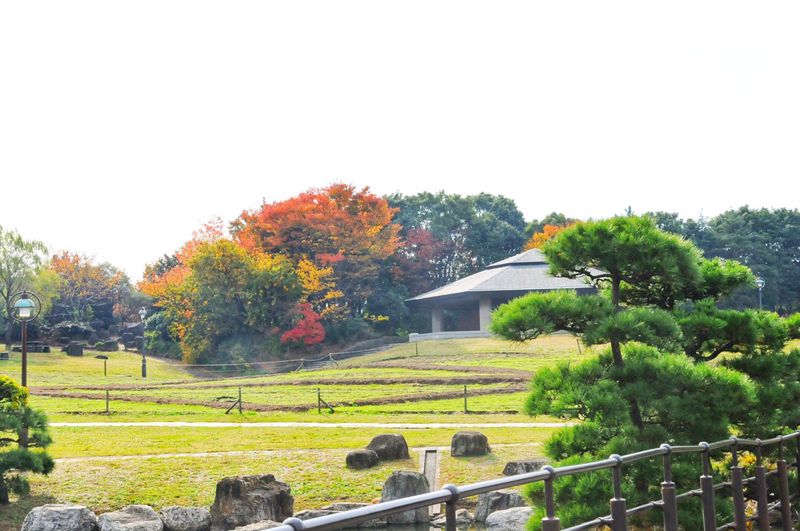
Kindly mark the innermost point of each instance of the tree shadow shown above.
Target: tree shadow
(12, 515)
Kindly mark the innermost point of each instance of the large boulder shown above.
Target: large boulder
(243, 500)
(60, 517)
(514, 519)
(498, 500)
(523, 467)
(359, 459)
(185, 518)
(466, 443)
(131, 518)
(402, 484)
(389, 446)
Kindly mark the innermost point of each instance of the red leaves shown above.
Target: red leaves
(308, 330)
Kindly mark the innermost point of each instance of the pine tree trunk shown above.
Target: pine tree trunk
(3, 491)
(616, 351)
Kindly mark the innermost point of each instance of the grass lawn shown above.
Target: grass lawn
(108, 467)
(147, 440)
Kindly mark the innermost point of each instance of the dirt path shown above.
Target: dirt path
(386, 425)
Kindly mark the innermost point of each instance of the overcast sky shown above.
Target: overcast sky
(125, 125)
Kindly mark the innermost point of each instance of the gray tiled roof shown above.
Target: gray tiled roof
(526, 271)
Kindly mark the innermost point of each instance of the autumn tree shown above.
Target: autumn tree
(87, 290)
(547, 233)
(339, 226)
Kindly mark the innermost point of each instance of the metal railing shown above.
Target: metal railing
(619, 512)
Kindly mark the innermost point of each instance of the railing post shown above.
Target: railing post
(550, 522)
(619, 515)
(668, 496)
(450, 508)
(783, 490)
(737, 491)
(707, 491)
(761, 490)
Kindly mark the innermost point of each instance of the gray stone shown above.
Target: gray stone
(523, 467)
(185, 518)
(243, 500)
(131, 518)
(489, 502)
(344, 506)
(74, 349)
(513, 519)
(258, 526)
(466, 443)
(402, 484)
(360, 459)
(313, 513)
(463, 519)
(389, 446)
(60, 517)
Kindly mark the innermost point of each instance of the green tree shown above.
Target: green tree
(19, 261)
(634, 396)
(16, 417)
(455, 236)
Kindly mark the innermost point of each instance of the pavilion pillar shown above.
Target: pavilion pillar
(484, 313)
(437, 320)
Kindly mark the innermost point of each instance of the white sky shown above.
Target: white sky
(125, 125)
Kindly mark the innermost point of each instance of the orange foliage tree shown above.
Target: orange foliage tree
(85, 288)
(341, 227)
(548, 232)
(221, 301)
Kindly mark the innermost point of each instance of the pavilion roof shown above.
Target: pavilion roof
(524, 272)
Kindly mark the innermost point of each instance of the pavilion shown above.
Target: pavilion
(463, 308)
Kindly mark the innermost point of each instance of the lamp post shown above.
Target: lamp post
(27, 307)
(143, 314)
(760, 283)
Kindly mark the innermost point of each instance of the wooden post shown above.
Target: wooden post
(465, 400)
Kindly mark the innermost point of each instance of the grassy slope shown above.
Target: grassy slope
(312, 457)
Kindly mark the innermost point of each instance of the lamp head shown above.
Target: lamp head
(142, 313)
(760, 283)
(24, 307)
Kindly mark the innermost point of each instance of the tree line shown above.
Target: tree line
(334, 265)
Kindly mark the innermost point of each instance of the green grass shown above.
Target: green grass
(58, 369)
(146, 440)
(296, 395)
(108, 467)
(84, 410)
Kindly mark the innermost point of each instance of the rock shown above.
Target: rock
(109, 345)
(74, 349)
(359, 459)
(463, 519)
(185, 518)
(489, 502)
(402, 484)
(258, 526)
(344, 506)
(513, 519)
(522, 467)
(131, 518)
(467, 443)
(243, 500)
(313, 513)
(389, 446)
(60, 517)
